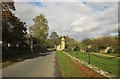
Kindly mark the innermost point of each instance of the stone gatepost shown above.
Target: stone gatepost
(62, 47)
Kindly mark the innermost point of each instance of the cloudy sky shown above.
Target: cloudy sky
(78, 19)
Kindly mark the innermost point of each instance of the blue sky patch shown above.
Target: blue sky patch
(84, 1)
(39, 4)
(114, 33)
(99, 8)
(95, 8)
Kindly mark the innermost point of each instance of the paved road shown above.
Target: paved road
(43, 66)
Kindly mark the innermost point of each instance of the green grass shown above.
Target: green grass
(102, 62)
(113, 54)
(67, 66)
(71, 68)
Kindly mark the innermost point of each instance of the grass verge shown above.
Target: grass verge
(108, 64)
(71, 68)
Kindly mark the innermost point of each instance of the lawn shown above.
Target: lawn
(102, 62)
(71, 68)
(113, 54)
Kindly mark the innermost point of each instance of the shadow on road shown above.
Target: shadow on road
(20, 56)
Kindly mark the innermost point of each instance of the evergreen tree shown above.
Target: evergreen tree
(13, 29)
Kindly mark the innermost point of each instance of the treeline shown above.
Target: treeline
(96, 44)
(102, 43)
(55, 40)
(13, 29)
(15, 37)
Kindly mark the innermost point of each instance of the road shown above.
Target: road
(43, 66)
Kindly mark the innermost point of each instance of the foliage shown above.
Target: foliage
(88, 41)
(104, 42)
(117, 49)
(8, 6)
(13, 29)
(77, 47)
(109, 51)
(71, 44)
(54, 35)
(39, 30)
(101, 43)
(53, 40)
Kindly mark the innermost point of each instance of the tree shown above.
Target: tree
(88, 41)
(54, 39)
(8, 6)
(54, 35)
(18, 31)
(13, 29)
(6, 15)
(39, 30)
(104, 42)
(71, 44)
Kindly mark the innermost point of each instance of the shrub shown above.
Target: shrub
(109, 51)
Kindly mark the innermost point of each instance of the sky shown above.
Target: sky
(78, 19)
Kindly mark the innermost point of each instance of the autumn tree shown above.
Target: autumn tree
(104, 42)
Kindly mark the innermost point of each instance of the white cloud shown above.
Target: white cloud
(66, 0)
(75, 19)
(85, 23)
(102, 0)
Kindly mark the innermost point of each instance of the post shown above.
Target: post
(31, 46)
(31, 41)
(88, 55)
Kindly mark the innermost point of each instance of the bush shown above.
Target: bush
(117, 49)
(77, 48)
(40, 48)
(109, 51)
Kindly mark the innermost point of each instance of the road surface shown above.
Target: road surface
(43, 66)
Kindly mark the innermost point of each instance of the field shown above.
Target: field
(72, 68)
(109, 64)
